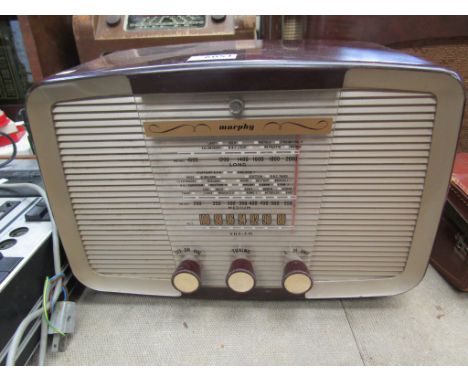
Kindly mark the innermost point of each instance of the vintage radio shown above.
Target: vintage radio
(249, 169)
(101, 35)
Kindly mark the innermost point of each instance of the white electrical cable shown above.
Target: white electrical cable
(42, 346)
(45, 327)
(11, 359)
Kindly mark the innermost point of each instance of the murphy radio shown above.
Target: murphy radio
(248, 169)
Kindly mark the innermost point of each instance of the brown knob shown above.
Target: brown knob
(296, 277)
(186, 278)
(218, 18)
(241, 276)
(113, 20)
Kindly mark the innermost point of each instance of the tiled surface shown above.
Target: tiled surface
(428, 325)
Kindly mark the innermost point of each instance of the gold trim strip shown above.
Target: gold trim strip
(239, 127)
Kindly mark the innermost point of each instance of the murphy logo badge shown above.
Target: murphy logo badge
(239, 127)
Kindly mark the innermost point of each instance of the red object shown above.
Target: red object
(16, 136)
(4, 120)
(460, 173)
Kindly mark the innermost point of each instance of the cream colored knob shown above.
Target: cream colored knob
(241, 276)
(296, 277)
(186, 278)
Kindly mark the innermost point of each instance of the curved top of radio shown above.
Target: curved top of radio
(246, 52)
(243, 65)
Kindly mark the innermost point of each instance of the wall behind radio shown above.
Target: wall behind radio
(50, 45)
(440, 39)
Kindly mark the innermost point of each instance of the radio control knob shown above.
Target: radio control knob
(241, 276)
(296, 277)
(218, 18)
(113, 20)
(186, 278)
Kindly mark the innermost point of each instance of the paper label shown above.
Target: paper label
(213, 57)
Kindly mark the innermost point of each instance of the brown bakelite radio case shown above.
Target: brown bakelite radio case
(249, 169)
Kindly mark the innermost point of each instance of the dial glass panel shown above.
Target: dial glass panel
(256, 193)
(155, 22)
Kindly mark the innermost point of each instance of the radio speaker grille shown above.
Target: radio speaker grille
(358, 198)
